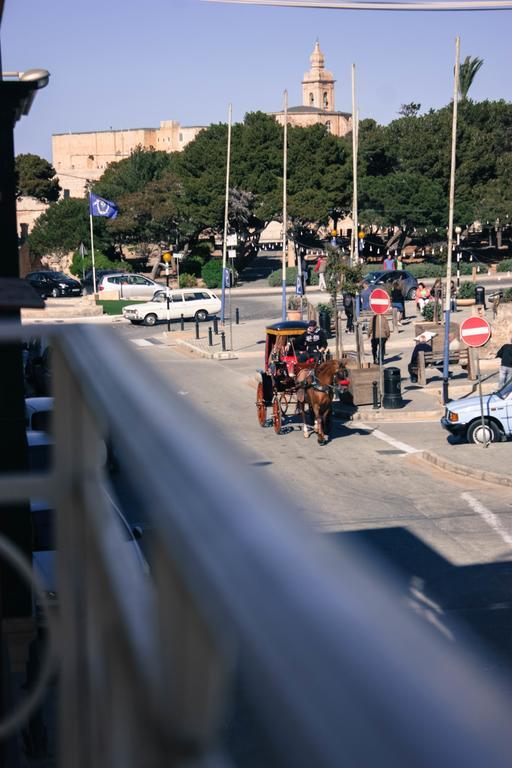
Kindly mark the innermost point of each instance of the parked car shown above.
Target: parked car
(189, 302)
(463, 417)
(129, 286)
(88, 282)
(407, 281)
(55, 284)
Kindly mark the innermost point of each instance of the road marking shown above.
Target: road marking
(489, 517)
(403, 447)
(141, 342)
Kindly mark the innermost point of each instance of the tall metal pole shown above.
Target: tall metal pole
(226, 207)
(446, 361)
(354, 255)
(285, 203)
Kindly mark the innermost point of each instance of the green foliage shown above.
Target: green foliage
(507, 295)
(192, 266)
(327, 308)
(426, 270)
(466, 290)
(101, 261)
(295, 302)
(188, 281)
(275, 278)
(505, 265)
(428, 311)
(212, 273)
(35, 177)
(468, 70)
(62, 227)
(115, 306)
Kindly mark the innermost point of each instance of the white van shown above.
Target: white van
(198, 303)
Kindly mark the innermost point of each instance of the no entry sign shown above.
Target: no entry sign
(475, 331)
(380, 301)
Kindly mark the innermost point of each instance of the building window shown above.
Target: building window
(326, 100)
(311, 100)
(65, 193)
(181, 137)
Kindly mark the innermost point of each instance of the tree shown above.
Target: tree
(35, 177)
(62, 227)
(409, 110)
(467, 73)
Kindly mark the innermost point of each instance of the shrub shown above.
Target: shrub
(507, 295)
(212, 273)
(428, 311)
(100, 262)
(505, 266)
(192, 266)
(426, 270)
(466, 290)
(187, 280)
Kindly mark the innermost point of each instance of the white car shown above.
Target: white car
(129, 286)
(198, 303)
(463, 417)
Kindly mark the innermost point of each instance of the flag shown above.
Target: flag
(98, 206)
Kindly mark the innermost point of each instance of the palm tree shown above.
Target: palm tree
(468, 70)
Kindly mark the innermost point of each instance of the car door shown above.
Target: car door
(36, 282)
(141, 287)
(177, 305)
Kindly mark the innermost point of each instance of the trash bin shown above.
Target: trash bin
(324, 321)
(480, 295)
(392, 388)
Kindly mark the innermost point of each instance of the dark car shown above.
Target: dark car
(55, 284)
(408, 282)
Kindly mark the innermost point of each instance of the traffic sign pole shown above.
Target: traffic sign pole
(484, 429)
(475, 332)
(379, 304)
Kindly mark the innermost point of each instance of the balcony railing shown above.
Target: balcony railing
(333, 669)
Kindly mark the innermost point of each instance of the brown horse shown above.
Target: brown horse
(316, 386)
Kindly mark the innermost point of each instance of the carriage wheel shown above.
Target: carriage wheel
(284, 403)
(260, 405)
(276, 411)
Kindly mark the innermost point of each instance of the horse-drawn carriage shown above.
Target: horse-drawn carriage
(293, 378)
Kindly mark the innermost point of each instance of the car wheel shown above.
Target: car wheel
(479, 434)
(55, 293)
(150, 319)
(411, 294)
(201, 315)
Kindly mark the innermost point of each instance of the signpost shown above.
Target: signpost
(379, 304)
(475, 332)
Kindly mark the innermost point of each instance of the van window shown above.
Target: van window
(202, 295)
(176, 297)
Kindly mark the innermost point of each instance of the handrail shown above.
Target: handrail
(336, 671)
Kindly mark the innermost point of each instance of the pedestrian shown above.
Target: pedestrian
(422, 297)
(364, 297)
(389, 263)
(320, 268)
(397, 300)
(398, 262)
(348, 306)
(305, 271)
(505, 355)
(378, 333)
(422, 345)
(436, 291)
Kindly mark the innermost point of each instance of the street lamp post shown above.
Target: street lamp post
(458, 230)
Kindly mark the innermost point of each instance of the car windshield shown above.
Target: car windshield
(58, 275)
(505, 391)
(372, 276)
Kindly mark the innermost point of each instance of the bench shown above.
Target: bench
(462, 357)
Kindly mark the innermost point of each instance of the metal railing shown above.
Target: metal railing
(334, 669)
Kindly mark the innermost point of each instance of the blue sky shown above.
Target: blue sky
(125, 64)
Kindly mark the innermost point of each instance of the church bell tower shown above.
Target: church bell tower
(318, 83)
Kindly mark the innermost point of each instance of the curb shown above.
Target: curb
(203, 353)
(394, 415)
(494, 478)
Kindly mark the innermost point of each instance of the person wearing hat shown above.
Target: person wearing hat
(422, 345)
(312, 343)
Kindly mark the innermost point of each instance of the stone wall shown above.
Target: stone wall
(501, 329)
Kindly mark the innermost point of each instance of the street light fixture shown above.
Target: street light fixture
(458, 230)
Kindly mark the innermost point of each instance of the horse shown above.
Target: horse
(316, 386)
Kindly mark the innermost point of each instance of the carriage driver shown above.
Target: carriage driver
(312, 343)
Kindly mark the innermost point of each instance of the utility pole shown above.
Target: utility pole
(285, 202)
(446, 361)
(354, 251)
(226, 210)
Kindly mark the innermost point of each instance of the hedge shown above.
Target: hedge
(505, 266)
(275, 278)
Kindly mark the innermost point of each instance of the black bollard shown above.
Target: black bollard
(237, 316)
(375, 392)
(210, 337)
(197, 329)
(223, 341)
(216, 325)
(182, 321)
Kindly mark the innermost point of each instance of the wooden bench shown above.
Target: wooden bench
(462, 357)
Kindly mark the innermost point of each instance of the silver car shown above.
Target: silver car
(129, 286)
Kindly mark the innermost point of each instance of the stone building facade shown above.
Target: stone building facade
(79, 158)
(318, 102)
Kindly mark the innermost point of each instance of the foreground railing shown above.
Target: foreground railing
(332, 669)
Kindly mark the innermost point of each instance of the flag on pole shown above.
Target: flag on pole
(98, 206)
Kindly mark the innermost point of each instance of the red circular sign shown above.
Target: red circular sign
(380, 301)
(475, 331)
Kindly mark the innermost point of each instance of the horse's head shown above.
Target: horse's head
(341, 377)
